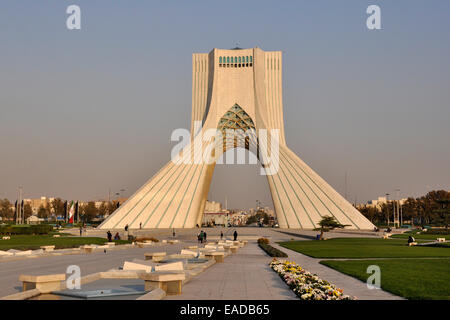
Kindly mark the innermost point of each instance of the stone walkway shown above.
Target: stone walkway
(350, 285)
(242, 276)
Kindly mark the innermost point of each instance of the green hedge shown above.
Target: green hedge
(437, 231)
(271, 251)
(26, 229)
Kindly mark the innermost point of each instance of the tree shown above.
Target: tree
(57, 206)
(327, 224)
(103, 209)
(89, 211)
(5, 209)
(43, 212)
(443, 212)
(111, 207)
(27, 211)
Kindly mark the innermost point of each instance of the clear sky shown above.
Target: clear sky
(92, 109)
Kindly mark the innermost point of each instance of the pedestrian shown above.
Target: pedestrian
(204, 236)
(173, 232)
(109, 234)
(221, 235)
(81, 231)
(235, 235)
(140, 225)
(199, 237)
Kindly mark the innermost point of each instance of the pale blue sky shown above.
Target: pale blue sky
(82, 111)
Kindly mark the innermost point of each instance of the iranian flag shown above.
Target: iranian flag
(71, 212)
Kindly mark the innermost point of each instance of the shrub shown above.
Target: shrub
(26, 229)
(437, 231)
(263, 240)
(271, 251)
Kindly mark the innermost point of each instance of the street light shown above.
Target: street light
(387, 209)
(399, 220)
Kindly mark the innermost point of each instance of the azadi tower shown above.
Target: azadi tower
(235, 89)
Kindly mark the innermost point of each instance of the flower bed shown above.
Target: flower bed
(306, 286)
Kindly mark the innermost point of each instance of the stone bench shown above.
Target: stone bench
(218, 256)
(440, 239)
(412, 244)
(153, 255)
(173, 241)
(6, 238)
(133, 266)
(48, 248)
(44, 283)
(175, 266)
(234, 249)
(56, 236)
(169, 281)
(192, 247)
(144, 244)
(87, 249)
(110, 244)
(386, 235)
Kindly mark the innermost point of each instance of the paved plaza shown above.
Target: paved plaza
(244, 275)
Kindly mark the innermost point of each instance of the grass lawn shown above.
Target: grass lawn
(30, 242)
(409, 278)
(364, 248)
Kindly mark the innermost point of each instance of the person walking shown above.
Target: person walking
(221, 235)
(140, 225)
(81, 231)
(109, 234)
(235, 235)
(173, 232)
(204, 236)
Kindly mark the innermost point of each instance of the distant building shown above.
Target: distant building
(378, 203)
(36, 203)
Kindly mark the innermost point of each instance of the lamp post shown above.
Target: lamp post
(398, 206)
(387, 210)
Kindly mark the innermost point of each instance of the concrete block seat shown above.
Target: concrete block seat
(145, 244)
(44, 283)
(87, 249)
(135, 266)
(440, 239)
(153, 255)
(175, 266)
(234, 249)
(47, 248)
(218, 256)
(412, 244)
(192, 247)
(173, 241)
(169, 281)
